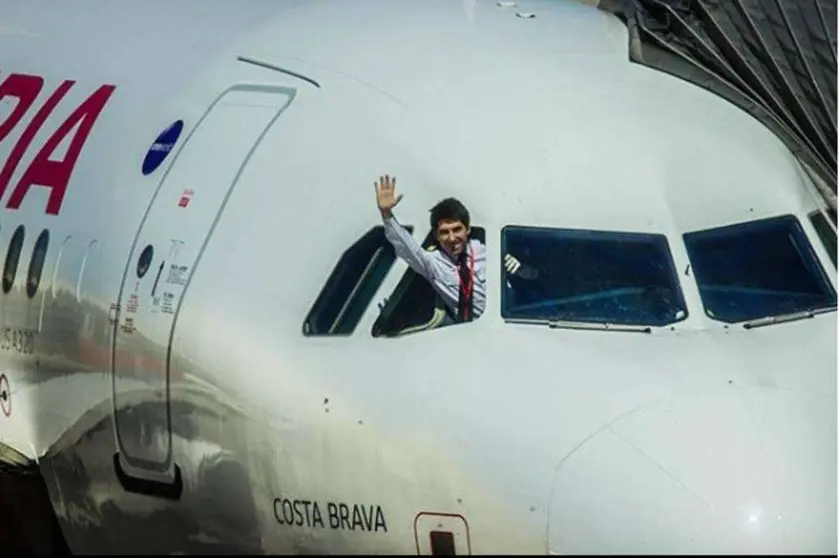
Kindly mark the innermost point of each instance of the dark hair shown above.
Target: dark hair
(449, 209)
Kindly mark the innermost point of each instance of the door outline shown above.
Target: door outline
(137, 474)
(441, 515)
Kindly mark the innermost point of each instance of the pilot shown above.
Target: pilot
(456, 268)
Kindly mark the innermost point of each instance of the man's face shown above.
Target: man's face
(452, 235)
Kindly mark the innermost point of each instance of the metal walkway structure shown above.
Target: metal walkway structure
(775, 59)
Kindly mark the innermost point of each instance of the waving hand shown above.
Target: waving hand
(386, 197)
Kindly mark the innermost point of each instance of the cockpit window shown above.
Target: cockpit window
(589, 276)
(758, 269)
(414, 305)
(351, 286)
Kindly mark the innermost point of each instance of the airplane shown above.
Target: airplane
(208, 345)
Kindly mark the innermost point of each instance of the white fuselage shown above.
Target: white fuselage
(699, 437)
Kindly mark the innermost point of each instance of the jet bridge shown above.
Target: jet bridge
(775, 59)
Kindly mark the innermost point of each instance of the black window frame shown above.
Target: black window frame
(369, 278)
(798, 230)
(603, 234)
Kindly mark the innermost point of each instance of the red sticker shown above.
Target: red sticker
(185, 197)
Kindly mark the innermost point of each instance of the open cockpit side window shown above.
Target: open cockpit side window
(414, 305)
(589, 277)
(758, 269)
(351, 286)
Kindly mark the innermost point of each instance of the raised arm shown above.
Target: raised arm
(404, 244)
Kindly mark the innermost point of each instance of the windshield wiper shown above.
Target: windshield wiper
(600, 326)
(783, 318)
(563, 324)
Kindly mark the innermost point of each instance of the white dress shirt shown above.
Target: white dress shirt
(438, 268)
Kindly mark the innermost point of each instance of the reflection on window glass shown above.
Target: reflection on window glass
(826, 234)
(12, 259)
(757, 269)
(351, 286)
(36, 265)
(590, 276)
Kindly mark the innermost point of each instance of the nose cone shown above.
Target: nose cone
(745, 470)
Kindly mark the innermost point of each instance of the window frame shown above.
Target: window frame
(408, 279)
(372, 285)
(797, 227)
(592, 233)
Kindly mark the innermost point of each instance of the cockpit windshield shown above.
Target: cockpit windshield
(589, 276)
(758, 269)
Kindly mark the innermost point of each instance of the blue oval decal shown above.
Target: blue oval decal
(161, 147)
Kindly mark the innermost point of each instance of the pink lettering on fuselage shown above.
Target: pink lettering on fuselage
(43, 171)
